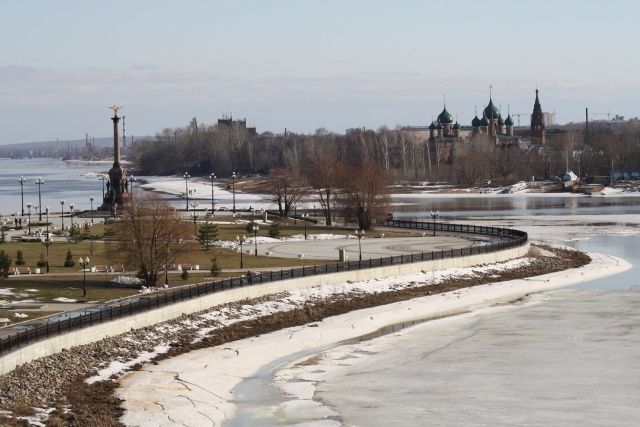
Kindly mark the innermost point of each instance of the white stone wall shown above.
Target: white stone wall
(94, 333)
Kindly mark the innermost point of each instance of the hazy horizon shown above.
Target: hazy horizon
(305, 66)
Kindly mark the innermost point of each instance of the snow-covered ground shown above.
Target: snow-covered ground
(197, 387)
(200, 189)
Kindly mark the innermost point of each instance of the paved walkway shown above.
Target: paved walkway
(371, 247)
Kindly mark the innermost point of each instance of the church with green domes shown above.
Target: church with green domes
(447, 136)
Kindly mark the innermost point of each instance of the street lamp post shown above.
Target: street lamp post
(166, 269)
(39, 182)
(103, 178)
(194, 205)
(84, 262)
(241, 242)
(62, 212)
(213, 203)
(360, 235)
(186, 177)
(91, 210)
(71, 213)
(434, 215)
(305, 217)
(255, 229)
(22, 180)
(233, 190)
(29, 220)
(47, 242)
(46, 210)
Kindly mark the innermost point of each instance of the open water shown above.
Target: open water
(73, 182)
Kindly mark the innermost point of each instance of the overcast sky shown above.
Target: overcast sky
(307, 64)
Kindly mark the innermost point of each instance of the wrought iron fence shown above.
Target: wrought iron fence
(39, 329)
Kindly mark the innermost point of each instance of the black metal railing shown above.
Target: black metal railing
(38, 329)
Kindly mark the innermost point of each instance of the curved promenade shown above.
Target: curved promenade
(39, 340)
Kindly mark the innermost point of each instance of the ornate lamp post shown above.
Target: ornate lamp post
(305, 217)
(39, 182)
(434, 215)
(233, 190)
(241, 242)
(29, 220)
(255, 229)
(91, 210)
(131, 180)
(22, 180)
(213, 203)
(84, 262)
(103, 178)
(71, 213)
(360, 235)
(194, 205)
(62, 212)
(186, 177)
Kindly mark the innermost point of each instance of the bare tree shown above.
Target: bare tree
(286, 189)
(149, 236)
(325, 176)
(365, 193)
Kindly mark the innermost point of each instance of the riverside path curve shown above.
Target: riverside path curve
(41, 338)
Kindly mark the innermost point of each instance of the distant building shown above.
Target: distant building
(227, 121)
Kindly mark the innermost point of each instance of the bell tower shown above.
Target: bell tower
(538, 132)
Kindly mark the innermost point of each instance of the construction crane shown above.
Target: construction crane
(517, 115)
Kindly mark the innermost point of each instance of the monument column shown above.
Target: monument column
(116, 140)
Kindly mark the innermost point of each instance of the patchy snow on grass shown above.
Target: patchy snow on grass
(65, 299)
(127, 280)
(20, 315)
(6, 292)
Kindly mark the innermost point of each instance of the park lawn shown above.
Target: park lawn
(99, 287)
(32, 251)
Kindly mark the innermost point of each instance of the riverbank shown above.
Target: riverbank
(49, 383)
(205, 379)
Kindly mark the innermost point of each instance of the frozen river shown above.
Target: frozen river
(567, 357)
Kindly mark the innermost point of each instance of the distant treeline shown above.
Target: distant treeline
(223, 148)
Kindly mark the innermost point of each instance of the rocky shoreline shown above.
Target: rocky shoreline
(56, 386)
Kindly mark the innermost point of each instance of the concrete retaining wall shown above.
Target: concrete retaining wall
(94, 333)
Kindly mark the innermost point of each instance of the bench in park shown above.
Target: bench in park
(100, 268)
(21, 270)
(117, 268)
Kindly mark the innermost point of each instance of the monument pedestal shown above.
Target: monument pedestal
(116, 187)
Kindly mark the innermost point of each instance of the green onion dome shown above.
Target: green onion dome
(491, 111)
(445, 117)
(509, 121)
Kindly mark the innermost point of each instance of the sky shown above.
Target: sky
(304, 65)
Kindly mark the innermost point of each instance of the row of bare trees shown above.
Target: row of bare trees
(360, 192)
